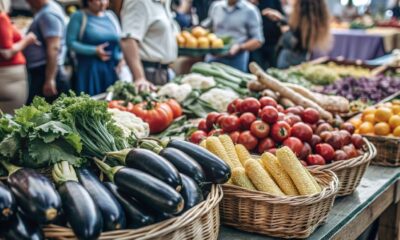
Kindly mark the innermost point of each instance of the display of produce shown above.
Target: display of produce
(199, 37)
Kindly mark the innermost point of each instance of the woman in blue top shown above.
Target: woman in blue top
(93, 35)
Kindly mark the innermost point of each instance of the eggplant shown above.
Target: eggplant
(111, 211)
(155, 165)
(35, 194)
(191, 192)
(136, 215)
(80, 210)
(217, 171)
(145, 188)
(185, 164)
(21, 228)
(8, 205)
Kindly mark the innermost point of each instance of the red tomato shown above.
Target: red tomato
(212, 119)
(326, 151)
(310, 115)
(246, 119)
(265, 145)
(234, 136)
(198, 136)
(248, 140)
(295, 144)
(216, 132)
(259, 129)
(269, 114)
(267, 101)
(302, 131)
(203, 125)
(280, 131)
(175, 107)
(230, 123)
(121, 105)
(158, 115)
(315, 159)
(250, 104)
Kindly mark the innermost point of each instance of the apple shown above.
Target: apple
(310, 115)
(272, 150)
(293, 110)
(295, 144)
(315, 139)
(269, 114)
(305, 151)
(292, 119)
(302, 131)
(280, 131)
(325, 150)
(348, 127)
(350, 150)
(315, 159)
(325, 135)
(259, 129)
(357, 141)
(250, 104)
(335, 140)
(323, 127)
(265, 145)
(340, 155)
(212, 119)
(346, 137)
(268, 101)
(246, 119)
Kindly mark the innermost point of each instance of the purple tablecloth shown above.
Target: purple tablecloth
(355, 45)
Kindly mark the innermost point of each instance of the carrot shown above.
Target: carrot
(275, 85)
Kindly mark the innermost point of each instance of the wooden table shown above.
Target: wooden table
(352, 215)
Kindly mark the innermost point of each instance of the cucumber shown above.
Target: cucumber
(19, 227)
(216, 170)
(191, 193)
(136, 215)
(111, 211)
(185, 164)
(8, 205)
(145, 188)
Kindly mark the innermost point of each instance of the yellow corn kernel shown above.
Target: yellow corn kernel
(273, 167)
(317, 186)
(261, 179)
(203, 144)
(215, 146)
(242, 153)
(296, 171)
(239, 178)
(230, 150)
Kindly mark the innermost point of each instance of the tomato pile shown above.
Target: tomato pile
(263, 125)
(159, 115)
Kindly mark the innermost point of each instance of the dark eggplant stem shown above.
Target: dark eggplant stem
(10, 167)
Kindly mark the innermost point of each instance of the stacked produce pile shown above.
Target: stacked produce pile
(263, 125)
(199, 37)
(68, 138)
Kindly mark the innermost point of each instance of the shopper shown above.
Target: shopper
(148, 41)
(45, 61)
(93, 35)
(307, 31)
(349, 12)
(13, 77)
(240, 20)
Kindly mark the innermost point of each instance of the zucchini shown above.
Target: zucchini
(217, 171)
(34, 193)
(8, 206)
(111, 211)
(144, 187)
(185, 164)
(191, 193)
(80, 210)
(136, 216)
(155, 165)
(21, 228)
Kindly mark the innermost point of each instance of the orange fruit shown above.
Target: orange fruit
(366, 128)
(383, 114)
(396, 102)
(396, 132)
(387, 104)
(396, 109)
(394, 121)
(369, 110)
(382, 129)
(369, 118)
(356, 122)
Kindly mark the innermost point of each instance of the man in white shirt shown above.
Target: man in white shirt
(148, 41)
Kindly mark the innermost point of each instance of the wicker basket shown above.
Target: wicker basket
(286, 217)
(388, 149)
(350, 171)
(201, 222)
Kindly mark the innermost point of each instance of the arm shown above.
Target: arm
(52, 50)
(130, 48)
(73, 32)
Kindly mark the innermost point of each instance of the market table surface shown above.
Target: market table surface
(350, 215)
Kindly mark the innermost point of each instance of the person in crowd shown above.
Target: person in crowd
(349, 12)
(240, 20)
(93, 36)
(13, 77)
(307, 30)
(183, 13)
(396, 10)
(45, 60)
(148, 41)
(266, 55)
(202, 8)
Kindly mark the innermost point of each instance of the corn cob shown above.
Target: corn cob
(230, 150)
(203, 144)
(296, 171)
(242, 153)
(261, 179)
(274, 168)
(239, 178)
(215, 146)
(317, 186)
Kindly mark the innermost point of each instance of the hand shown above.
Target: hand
(6, 53)
(235, 49)
(102, 53)
(121, 64)
(272, 14)
(143, 85)
(50, 89)
(32, 39)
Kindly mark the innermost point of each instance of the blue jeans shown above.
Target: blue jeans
(240, 61)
